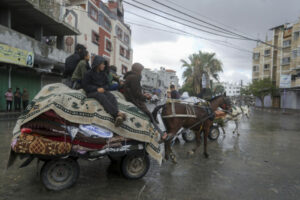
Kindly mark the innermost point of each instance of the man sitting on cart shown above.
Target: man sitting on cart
(96, 85)
(133, 93)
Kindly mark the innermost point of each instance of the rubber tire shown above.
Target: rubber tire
(126, 161)
(51, 184)
(211, 136)
(188, 138)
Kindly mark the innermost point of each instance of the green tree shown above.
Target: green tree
(245, 91)
(199, 64)
(219, 89)
(261, 88)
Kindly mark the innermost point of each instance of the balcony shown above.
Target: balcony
(26, 15)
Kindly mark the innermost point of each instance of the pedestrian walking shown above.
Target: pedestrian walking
(17, 99)
(9, 99)
(25, 98)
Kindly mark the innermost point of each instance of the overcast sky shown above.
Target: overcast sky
(252, 18)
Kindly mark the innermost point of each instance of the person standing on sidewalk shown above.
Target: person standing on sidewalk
(17, 99)
(9, 99)
(25, 98)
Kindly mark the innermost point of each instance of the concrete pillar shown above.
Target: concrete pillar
(5, 17)
(38, 33)
(60, 42)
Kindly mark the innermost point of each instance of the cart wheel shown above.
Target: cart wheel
(214, 133)
(135, 166)
(189, 136)
(59, 174)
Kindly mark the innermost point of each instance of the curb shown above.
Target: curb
(282, 111)
(9, 116)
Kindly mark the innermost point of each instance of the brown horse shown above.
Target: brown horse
(197, 118)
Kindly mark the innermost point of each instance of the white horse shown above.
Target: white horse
(238, 112)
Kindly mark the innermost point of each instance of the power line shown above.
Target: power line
(220, 42)
(181, 18)
(180, 22)
(256, 40)
(197, 13)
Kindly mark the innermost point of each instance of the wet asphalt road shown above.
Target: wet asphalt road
(262, 163)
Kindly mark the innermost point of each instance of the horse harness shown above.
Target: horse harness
(190, 112)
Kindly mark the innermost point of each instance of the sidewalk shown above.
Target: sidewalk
(278, 110)
(9, 115)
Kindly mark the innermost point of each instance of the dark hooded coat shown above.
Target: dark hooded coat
(133, 89)
(93, 79)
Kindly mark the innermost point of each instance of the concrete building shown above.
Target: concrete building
(31, 44)
(103, 31)
(280, 61)
(159, 79)
(232, 89)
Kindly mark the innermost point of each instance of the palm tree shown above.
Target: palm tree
(199, 65)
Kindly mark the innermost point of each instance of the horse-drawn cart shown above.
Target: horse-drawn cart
(62, 125)
(214, 133)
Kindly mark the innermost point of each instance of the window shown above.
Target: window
(108, 45)
(124, 69)
(95, 38)
(127, 54)
(126, 38)
(122, 51)
(267, 52)
(286, 43)
(93, 13)
(256, 56)
(255, 68)
(119, 33)
(107, 23)
(296, 35)
(286, 60)
(266, 66)
(294, 53)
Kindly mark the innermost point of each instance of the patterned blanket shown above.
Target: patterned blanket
(75, 107)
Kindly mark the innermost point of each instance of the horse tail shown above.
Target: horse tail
(155, 111)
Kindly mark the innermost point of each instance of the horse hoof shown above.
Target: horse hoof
(191, 153)
(206, 155)
(174, 160)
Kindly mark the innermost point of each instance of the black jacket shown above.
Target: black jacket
(93, 79)
(175, 94)
(70, 64)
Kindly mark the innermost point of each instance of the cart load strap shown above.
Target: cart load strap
(74, 107)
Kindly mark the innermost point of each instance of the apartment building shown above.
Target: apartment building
(103, 31)
(279, 60)
(232, 89)
(31, 44)
(159, 80)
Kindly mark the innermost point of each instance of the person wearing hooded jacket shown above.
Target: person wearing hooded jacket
(96, 85)
(133, 93)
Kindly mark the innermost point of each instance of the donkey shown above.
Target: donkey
(238, 112)
(201, 120)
